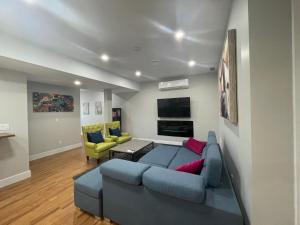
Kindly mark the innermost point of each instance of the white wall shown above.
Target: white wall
(271, 111)
(296, 27)
(139, 110)
(53, 130)
(14, 153)
(259, 150)
(235, 141)
(118, 100)
(91, 97)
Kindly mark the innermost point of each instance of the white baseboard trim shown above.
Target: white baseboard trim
(161, 141)
(54, 151)
(15, 178)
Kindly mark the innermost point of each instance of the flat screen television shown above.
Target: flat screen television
(174, 107)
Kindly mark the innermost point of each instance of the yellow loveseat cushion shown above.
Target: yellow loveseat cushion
(104, 146)
(123, 139)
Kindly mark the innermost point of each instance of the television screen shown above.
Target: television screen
(174, 107)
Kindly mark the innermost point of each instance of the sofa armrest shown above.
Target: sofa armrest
(108, 140)
(90, 145)
(180, 185)
(125, 134)
(123, 170)
(113, 137)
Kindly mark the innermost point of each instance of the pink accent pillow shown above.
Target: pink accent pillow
(194, 167)
(195, 146)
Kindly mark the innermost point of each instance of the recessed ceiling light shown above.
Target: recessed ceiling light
(192, 63)
(138, 73)
(29, 1)
(104, 58)
(77, 82)
(179, 35)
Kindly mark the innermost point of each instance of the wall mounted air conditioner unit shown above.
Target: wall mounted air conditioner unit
(173, 85)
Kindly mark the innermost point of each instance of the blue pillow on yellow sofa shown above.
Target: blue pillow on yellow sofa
(95, 137)
(115, 132)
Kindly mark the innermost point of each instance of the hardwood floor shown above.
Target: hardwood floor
(47, 197)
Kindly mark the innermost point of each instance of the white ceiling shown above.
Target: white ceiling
(50, 76)
(132, 32)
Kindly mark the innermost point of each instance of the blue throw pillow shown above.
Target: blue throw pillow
(95, 137)
(115, 132)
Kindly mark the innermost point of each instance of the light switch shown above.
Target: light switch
(4, 127)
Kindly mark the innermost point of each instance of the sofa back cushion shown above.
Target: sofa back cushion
(212, 170)
(211, 138)
(125, 171)
(188, 187)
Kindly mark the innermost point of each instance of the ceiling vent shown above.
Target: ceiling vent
(173, 85)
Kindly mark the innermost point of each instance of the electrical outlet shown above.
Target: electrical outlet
(4, 127)
(60, 142)
(56, 120)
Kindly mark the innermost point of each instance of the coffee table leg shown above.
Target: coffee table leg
(109, 154)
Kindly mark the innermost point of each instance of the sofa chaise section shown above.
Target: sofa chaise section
(122, 191)
(88, 192)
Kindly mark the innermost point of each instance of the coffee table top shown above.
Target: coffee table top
(131, 146)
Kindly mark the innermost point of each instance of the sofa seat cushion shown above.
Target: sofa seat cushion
(180, 185)
(123, 170)
(123, 139)
(183, 156)
(104, 146)
(90, 183)
(161, 156)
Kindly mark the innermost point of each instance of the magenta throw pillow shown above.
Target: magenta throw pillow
(194, 167)
(195, 146)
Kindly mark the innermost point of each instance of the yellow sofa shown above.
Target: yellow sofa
(93, 150)
(113, 125)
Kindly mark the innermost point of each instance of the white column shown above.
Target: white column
(107, 105)
(296, 67)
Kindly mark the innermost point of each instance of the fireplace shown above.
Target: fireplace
(175, 128)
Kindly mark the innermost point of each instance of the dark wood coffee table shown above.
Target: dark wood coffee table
(130, 147)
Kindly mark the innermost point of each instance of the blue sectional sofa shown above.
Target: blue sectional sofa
(152, 192)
